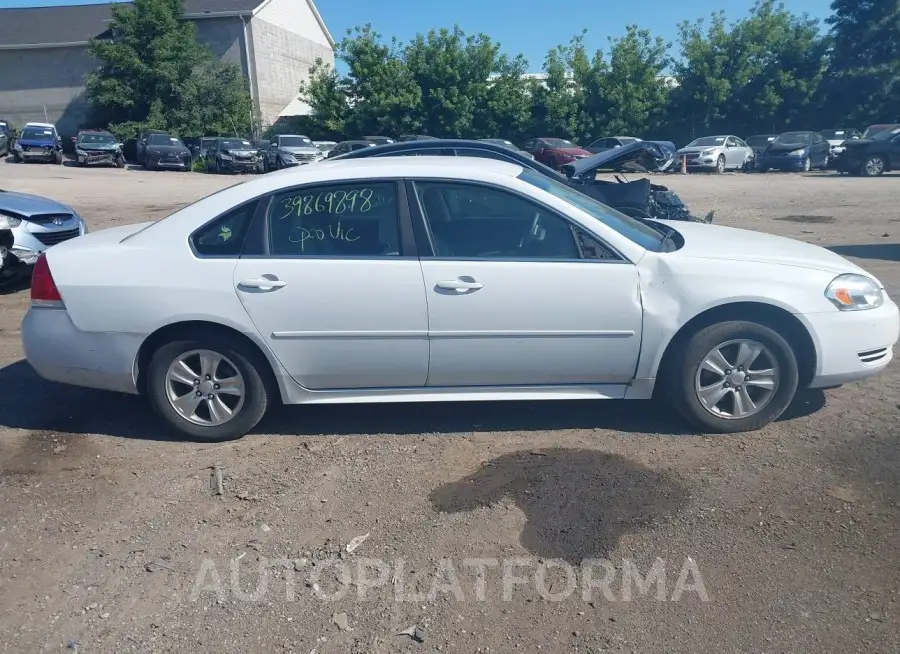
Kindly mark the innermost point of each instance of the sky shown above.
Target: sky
(529, 27)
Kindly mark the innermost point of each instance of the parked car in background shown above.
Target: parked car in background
(610, 143)
(345, 147)
(873, 156)
(98, 147)
(38, 142)
(378, 140)
(37, 223)
(509, 145)
(6, 138)
(163, 152)
(554, 152)
(872, 130)
(758, 143)
(415, 137)
(325, 146)
(140, 147)
(227, 154)
(286, 150)
(836, 139)
(797, 151)
(717, 153)
(438, 280)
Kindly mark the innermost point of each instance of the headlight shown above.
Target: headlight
(9, 222)
(796, 153)
(852, 292)
(225, 156)
(707, 153)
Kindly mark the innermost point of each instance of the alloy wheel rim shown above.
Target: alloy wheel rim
(205, 388)
(737, 379)
(720, 166)
(874, 165)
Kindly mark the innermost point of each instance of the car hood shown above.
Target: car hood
(640, 156)
(786, 147)
(34, 142)
(96, 147)
(26, 205)
(859, 143)
(168, 149)
(301, 150)
(704, 241)
(242, 152)
(698, 148)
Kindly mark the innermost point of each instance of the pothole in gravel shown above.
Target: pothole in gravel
(807, 219)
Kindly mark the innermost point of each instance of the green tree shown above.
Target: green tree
(864, 72)
(154, 73)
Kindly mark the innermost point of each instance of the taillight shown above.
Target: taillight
(43, 288)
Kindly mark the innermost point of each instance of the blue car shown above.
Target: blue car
(797, 151)
(38, 142)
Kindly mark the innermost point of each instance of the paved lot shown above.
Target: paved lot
(792, 534)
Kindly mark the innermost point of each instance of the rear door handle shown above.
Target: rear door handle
(459, 285)
(262, 283)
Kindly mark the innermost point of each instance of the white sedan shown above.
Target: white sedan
(433, 279)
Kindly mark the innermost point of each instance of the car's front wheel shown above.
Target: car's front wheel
(873, 166)
(733, 377)
(208, 387)
(720, 164)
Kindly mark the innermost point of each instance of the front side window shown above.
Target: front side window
(474, 221)
(225, 236)
(347, 220)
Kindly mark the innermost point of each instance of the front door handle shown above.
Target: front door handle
(459, 285)
(263, 283)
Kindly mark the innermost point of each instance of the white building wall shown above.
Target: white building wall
(286, 41)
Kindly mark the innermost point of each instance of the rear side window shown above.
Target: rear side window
(360, 219)
(225, 236)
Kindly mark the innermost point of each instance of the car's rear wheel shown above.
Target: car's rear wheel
(873, 166)
(733, 377)
(209, 388)
(720, 164)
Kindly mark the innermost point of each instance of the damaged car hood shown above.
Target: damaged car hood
(732, 244)
(642, 156)
(26, 205)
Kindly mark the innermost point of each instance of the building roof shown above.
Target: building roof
(76, 24)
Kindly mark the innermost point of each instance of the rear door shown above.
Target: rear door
(337, 291)
(518, 295)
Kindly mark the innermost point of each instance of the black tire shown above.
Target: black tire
(720, 164)
(218, 167)
(17, 157)
(249, 363)
(120, 161)
(682, 373)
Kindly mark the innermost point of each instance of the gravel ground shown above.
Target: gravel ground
(785, 540)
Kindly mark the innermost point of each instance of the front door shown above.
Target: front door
(340, 303)
(515, 297)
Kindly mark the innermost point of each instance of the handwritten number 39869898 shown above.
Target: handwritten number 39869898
(335, 203)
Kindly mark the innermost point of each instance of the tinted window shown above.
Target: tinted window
(225, 236)
(349, 220)
(470, 221)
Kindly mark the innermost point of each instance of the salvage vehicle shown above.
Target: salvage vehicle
(836, 139)
(325, 146)
(717, 153)
(286, 150)
(873, 156)
(6, 138)
(38, 142)
(758, 143)
(798, 151)
(554, 152)
(233, 155)
(610, 143)
(94, 147)
(532, 291)
(345, 147)
(164, 151)
(638, 199)
(37, 223)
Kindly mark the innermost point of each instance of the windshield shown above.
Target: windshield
(886, 135)
(235, 144)
(709, 141)
(294, 142)
(793, 137)
(502, 143)
(163, 139)
(558, 143)
(634, 230)
(760, 140)
(97, 138)
(872, 130)
(36, 134)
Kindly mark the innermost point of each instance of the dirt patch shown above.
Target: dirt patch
(808, 219)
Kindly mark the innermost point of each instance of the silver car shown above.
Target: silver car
(36, 223)
(718, 153)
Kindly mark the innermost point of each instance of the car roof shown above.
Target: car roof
(45, 125)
